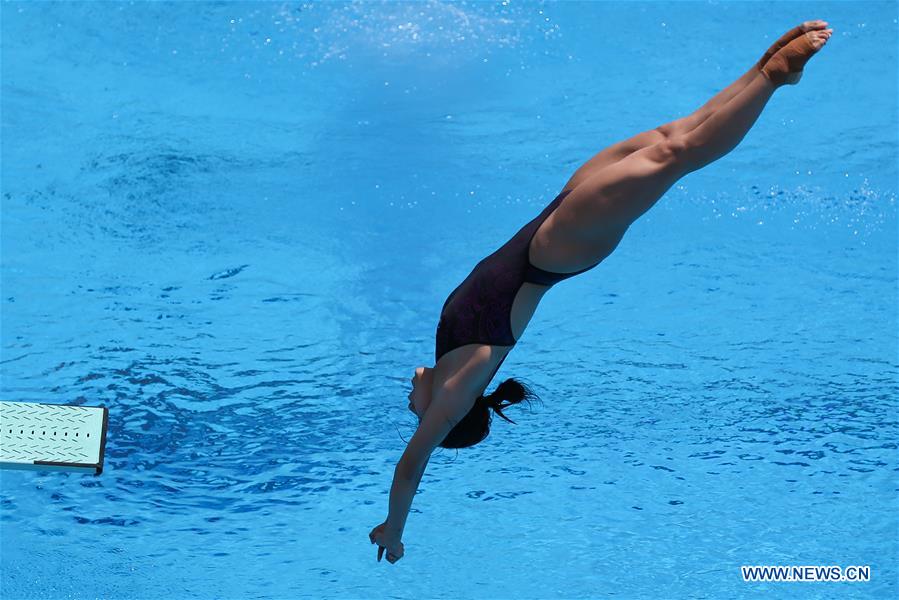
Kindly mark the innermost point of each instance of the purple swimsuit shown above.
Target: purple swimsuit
(479, 310)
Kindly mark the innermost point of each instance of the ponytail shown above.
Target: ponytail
(475, 425)
(509, 392)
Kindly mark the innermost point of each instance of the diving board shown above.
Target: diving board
(60, 437)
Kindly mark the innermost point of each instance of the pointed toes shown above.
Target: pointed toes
(813, 25)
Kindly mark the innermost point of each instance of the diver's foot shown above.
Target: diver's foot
(785, 67)
(788, 37)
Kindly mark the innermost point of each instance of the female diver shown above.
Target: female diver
(485, 315)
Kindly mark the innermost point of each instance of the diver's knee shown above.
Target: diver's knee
(678, 146)
(673, 150)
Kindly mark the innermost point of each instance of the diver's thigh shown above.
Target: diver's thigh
(615, 197)
(613, 154)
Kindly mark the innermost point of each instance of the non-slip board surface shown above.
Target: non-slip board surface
(52, 436)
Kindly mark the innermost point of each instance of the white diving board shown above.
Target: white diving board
(59, 437)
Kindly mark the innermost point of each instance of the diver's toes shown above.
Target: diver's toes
(812, 25)
(817, 39)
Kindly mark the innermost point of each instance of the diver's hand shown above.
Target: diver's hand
(387, 539)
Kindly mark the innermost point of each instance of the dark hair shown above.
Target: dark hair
(475, 426)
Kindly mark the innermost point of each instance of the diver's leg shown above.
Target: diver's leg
(694, 120)
(618, 151)
(723, 130)
(611, 199)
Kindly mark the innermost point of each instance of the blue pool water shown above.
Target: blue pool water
(234, 225)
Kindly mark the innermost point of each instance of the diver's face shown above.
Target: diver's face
(420, 396)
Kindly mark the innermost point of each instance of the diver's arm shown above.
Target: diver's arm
(402, 491)
(447, 408)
